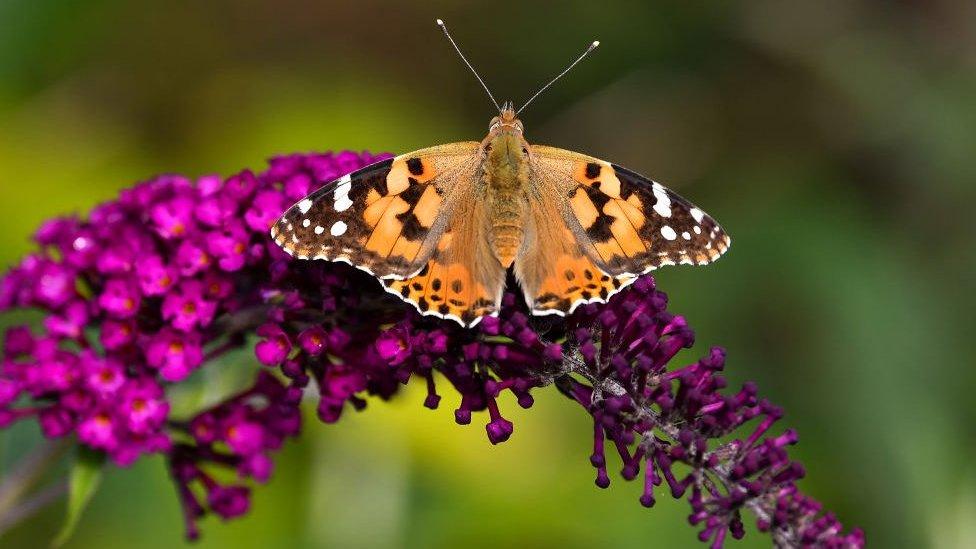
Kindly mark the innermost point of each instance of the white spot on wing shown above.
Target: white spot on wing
(305, 205)
(686, 235)
(663, 204)
(342, 205)
(697, 214)
(341, 196)
(668, 233)
(697, 229)
(338, 228)
(306, 223)
(319, 229)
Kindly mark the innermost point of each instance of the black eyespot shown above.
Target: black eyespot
(525, 151)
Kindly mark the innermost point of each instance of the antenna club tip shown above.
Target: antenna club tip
(440, 22)
(595, 44)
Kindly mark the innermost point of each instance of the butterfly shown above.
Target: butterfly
(441, 227)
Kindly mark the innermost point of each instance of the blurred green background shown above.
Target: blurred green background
(835, 141)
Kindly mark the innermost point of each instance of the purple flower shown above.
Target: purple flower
(230, 247)
(191, 258)
(55, 283)
(175, 273)
(240, 187)
(275, 346)
(55, 422)
(265, 210)
(103, 376)
(174, 355)
(117, 259)
(116, 334)
(143, 406)
(9, 391)
(156, 277)
(98, 431)
(229, 501)
(70, 322)
(187, 309)
(215, 211)
(119, 299)
(174, 218)
(313, 340)
(244, 437)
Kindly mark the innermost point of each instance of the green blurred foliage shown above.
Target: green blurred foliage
(834, 140)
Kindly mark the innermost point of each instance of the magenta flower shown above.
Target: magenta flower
(187, 308)
(104, 376)
(144, 408)
(69, 323)
(174, 218)
(55, 283)
(192, 258)
(175, 273)
(313, 340)
(230, 247)
(119, 299)
(155, 277)
(98, 431)
(174, 355)
(275, 347)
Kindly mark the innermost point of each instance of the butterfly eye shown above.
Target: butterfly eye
(488, 147)
(525, 151)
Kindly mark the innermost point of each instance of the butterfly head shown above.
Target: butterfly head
(506, 121)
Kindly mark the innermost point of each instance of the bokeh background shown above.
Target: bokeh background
(835, 140)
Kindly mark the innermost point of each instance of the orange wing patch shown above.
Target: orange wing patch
(611, 222)
(573, 281)
(446, 290)
(636, 225)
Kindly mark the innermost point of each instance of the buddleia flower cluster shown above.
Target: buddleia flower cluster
(177, 273)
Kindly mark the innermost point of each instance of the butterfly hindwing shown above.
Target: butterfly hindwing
(555, 272)
(463, 280)
(385, 218)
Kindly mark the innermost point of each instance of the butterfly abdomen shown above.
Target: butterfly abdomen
(506, 181)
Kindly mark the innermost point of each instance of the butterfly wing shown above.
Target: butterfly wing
(462, 281)
(407, 221)
(611, 219)
(384, 218)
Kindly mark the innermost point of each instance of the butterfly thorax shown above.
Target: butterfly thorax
(506, 180)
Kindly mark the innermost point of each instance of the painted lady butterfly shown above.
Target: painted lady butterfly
(441, 227)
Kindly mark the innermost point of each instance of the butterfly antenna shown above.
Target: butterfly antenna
(593, 46)
(440, 23)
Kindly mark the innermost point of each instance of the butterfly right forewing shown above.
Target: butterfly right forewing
(627, 223)
(599, 227)
(385, 218)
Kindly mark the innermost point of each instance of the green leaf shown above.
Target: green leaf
(84, 478)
